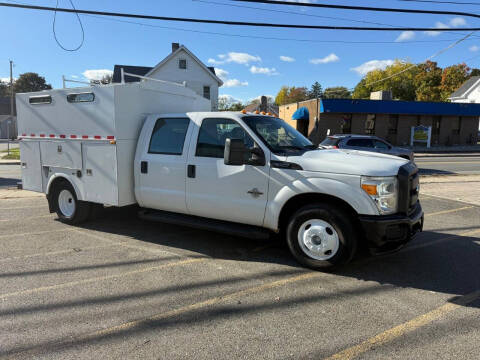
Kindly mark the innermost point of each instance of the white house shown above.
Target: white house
(181, 65)
(469, 92)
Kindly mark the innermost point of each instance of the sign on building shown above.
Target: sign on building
(421, 134)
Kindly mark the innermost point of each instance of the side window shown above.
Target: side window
(381, 145)
(360, 143)
(213, 133)
(206, 92)
(168, 136)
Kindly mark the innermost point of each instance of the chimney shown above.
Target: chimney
(263, 103)
(175, 47)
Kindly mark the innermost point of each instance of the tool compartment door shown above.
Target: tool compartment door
(100, 173)
(31, 166)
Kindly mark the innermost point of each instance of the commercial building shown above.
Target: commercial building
(451, 123)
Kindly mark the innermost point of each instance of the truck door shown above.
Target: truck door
(219, 191)
(31, 166)
(162, 164)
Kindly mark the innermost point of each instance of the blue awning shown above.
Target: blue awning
(301, 114)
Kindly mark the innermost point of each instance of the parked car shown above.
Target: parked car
(365, 143)
(234, 172)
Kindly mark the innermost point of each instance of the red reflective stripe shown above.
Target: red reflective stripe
(97, 137)
(32, 134)
(42, 135)
(84, 136)
(51, 135)
(73, 136)
(24, 134)
(62, 136)
(110, 137)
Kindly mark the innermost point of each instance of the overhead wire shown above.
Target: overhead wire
(55, 32)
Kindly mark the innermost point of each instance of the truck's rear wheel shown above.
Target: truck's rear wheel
(68, 208)
(321, 236)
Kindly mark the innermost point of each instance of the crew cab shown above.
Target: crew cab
(240, 173)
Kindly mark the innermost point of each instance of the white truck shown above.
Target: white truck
(246, 174)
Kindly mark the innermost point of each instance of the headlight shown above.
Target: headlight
(383, 190)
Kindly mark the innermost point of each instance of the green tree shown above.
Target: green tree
(315, 91)
(452, 78)
(398, 78)
(296, 94)
(475, 72)
(30, 82)
(337, 92)
(428, 82)
(281, 97)
(4, 89)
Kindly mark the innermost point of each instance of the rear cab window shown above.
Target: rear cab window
(330, 141)
(168, 136)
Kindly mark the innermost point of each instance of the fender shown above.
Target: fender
(70, 179)
(352, 195)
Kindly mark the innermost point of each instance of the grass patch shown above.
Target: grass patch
(14, 154)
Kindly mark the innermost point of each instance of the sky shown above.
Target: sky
(251, 61)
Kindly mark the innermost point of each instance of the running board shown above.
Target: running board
(225, 227)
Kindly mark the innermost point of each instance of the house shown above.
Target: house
(452, 123)
(8, 124)
(469, 92)
(180, 66)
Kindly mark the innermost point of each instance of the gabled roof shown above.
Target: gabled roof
(465, 88)
(137, 70)
(398, 107)
(183, 48)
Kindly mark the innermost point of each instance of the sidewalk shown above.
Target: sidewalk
(447, 154)
(465, 188)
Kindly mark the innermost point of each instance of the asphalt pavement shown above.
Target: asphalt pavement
(449, 165)
(118, 287)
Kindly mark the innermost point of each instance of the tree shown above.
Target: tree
(452, 78)
(475, 72)
(281, 97)
(30, 82)
(4, 89)
(428, 82)
(297, 94)
(337, 92)
(227, 103)
(398, 78)
(105, 80)
(315, 91)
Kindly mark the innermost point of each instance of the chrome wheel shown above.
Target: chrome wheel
(66, 203)
(318, 239)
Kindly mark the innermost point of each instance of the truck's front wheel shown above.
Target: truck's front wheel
(321, 236)
(68, 208)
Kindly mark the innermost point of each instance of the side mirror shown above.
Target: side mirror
(257, 157)
(234, 152)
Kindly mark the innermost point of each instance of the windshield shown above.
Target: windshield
(278, 135)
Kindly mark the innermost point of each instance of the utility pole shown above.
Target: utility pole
(11, 107)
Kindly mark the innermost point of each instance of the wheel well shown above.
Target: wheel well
(298, 201)
(51, 190)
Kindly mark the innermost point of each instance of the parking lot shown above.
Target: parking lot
(122, 288)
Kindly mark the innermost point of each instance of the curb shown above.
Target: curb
(9, 162)
(429, 155)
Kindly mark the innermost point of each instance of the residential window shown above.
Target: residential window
(182, 64)
(393, 123)
(456, 125)
(214, 132)
(370, 124)
(168, 136)
(37, 100)
(347, 124)
(80, 97)
(206, 92)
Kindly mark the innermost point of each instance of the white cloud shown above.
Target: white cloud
(74, 76)
(474, 48)
(96, 74)
(368, 66)
(458, 22)
(234, 83)
(222, 74)
(235, 57)
(438, 25)
(6, 79)
(287, 58)
(405, 36)
(229, 98)
(263, 70)
(327, 59)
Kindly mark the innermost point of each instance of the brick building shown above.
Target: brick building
(452, 123)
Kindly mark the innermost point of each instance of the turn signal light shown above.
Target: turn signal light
(113, 142)
(370, 189)
(257, 112)
(244, 111)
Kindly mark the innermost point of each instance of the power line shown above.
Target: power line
(227, 22)
(55, 33)
(442, 2)
(363, 8)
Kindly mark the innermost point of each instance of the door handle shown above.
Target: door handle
(191, 171)
(144, 167)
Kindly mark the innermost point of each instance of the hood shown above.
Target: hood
(351, 162)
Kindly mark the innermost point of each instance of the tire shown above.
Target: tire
(68, 208)
(321, 236)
